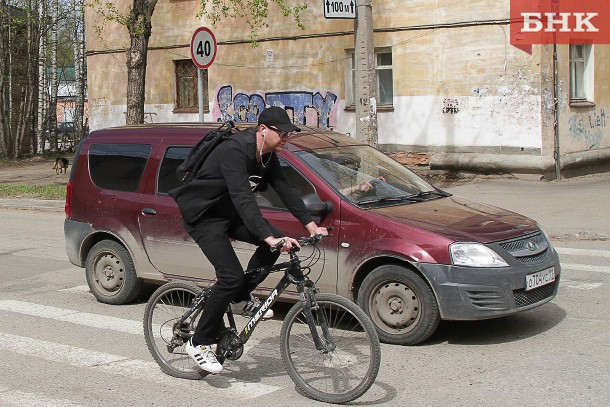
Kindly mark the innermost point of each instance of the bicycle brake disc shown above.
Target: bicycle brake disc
(229, 345)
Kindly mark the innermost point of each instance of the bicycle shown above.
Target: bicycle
(328, 345)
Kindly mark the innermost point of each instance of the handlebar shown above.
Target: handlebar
(303, 241)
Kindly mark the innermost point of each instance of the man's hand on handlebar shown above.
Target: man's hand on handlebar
(316, 230)
(284, 244)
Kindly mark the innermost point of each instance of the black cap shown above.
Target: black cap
(277, 117)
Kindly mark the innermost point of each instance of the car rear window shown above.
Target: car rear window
(118, 166)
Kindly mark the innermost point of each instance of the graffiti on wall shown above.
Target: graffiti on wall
(306, 108)
(451, 106)
(588, 128)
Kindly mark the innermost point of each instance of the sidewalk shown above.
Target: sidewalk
(573, 208)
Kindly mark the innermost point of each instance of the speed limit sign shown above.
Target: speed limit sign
(203, 47)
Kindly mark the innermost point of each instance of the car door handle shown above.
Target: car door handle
(149, 211)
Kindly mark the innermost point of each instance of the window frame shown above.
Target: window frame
(179, 65)
(581, 89)
(351, 79)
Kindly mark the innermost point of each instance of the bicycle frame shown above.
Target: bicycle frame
(292, 275)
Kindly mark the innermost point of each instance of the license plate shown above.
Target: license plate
(539, 279)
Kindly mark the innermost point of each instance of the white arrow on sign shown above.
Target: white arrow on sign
(203, 47)
(339, 8)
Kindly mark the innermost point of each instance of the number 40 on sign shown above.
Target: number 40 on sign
(203, 47)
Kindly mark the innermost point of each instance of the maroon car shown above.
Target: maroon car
(407, 252)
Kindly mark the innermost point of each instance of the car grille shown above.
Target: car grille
(529, 249)
(524, 298)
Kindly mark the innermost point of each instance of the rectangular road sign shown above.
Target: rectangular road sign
(339, 8)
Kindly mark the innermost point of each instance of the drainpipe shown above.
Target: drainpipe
(556, 152)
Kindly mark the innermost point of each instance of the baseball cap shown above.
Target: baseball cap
(277, 117)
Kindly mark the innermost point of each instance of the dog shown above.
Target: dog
(61, 165)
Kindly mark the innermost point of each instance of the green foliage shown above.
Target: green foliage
(254, 12)
(33, 191)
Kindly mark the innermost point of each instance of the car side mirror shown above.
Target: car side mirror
(316, 206)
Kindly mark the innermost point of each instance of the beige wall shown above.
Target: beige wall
(461, 87)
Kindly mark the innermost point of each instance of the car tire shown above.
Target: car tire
(400, 303)
(111, 274)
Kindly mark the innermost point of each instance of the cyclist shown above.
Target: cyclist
(219, 205)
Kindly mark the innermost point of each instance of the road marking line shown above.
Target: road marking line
(23, 399)
(579, 285)
(583, 252)
(105, 322)
(123, 366)
(75, 317)
(585, 267)
(77, 289)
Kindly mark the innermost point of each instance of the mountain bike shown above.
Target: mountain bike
(328, 345)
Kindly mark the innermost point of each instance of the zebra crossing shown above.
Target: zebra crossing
(582, 269)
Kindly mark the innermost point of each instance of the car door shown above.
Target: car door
(169, 247)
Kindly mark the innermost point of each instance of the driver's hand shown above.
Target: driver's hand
(365, 187)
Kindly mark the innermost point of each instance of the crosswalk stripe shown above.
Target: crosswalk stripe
(24, 399)
(108, 323)
(585, 267)
(583, 252)
(120, 365)
(75, 317)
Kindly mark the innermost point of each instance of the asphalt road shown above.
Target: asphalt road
(59, 347)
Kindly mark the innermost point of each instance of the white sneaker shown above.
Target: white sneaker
(205, 357)
(248, 308)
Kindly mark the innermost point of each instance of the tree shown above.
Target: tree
(19, 43)
(139, 25)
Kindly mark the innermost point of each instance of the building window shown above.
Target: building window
(581, 73)
(383, 78)
(186, 87)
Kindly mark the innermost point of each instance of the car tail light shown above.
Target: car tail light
(68, 206)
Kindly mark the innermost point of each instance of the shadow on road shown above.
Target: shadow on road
(500, 330)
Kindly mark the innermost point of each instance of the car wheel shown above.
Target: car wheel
(400, 303)
(111, 274)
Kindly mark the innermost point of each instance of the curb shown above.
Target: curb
(32, 204)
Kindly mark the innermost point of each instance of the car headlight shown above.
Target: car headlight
(548, 240)
(475, 255)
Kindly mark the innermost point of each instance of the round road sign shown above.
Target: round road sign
(203, 47)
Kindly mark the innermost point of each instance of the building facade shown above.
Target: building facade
(449, 82)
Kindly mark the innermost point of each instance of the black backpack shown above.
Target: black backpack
(192, 164)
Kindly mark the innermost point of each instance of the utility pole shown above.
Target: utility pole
(365, 86)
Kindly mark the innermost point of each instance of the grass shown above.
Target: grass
(33, 191)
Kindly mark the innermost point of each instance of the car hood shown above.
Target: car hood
(460, 219)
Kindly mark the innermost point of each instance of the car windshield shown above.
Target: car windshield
(367, 177)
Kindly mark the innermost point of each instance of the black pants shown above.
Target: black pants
(213, 235)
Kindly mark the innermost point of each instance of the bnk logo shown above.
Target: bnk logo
(559, 21)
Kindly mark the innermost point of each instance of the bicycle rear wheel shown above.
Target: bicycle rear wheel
(342, 374)
(164, 339)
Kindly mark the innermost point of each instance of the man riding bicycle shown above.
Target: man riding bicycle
(219, 205)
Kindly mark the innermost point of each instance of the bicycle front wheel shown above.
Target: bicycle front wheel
(164, 338)
(348, 366)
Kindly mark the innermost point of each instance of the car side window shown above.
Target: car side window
(269, 199)
(168, 179)
(118, 166)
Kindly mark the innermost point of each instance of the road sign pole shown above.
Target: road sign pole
(200, 93)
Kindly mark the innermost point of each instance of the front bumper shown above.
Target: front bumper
(465, 293)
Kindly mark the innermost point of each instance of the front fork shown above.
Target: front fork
(323, 343)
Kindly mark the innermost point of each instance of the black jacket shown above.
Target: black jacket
(224, 179)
